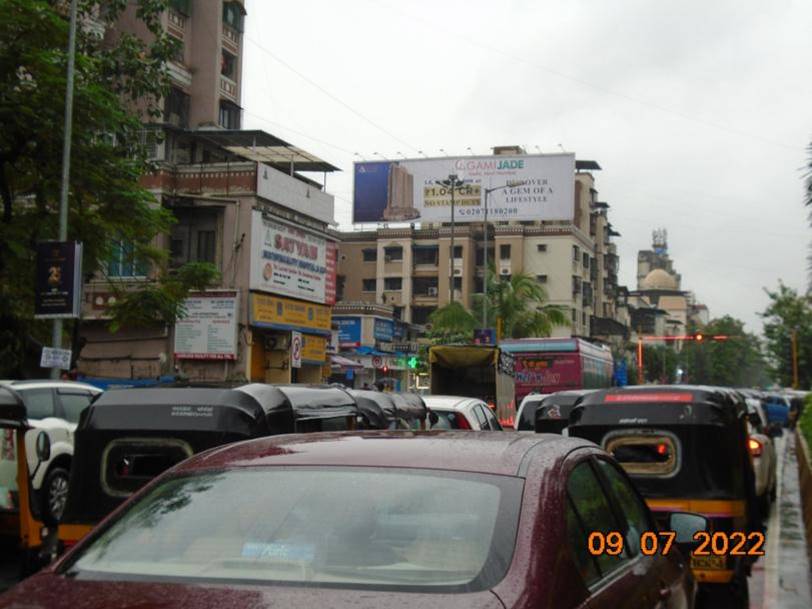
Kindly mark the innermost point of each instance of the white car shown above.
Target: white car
(54, 407)
(526, 415)
(457, 412)
(762, 449)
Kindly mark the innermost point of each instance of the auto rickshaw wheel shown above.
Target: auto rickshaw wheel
(54, 495)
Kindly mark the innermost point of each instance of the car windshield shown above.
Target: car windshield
(356, 527)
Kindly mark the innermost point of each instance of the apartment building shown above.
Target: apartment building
(242, 205)
(411, 268)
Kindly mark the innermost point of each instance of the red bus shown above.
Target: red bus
(547, 365)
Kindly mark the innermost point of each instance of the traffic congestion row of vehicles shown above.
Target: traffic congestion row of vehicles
(167, 499)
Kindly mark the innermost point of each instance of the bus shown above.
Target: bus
(547, 365)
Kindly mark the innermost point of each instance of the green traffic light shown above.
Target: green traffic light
(413, 361)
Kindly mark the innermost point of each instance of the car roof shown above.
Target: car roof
(46, 384)
(448, 402)
(488, 452)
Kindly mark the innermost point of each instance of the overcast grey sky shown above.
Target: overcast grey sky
(697, 110)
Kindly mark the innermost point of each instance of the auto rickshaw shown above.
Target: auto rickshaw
(411, 408)
(24, 538)
(129, 436)
(552, 412)
(686, 449)
(378, 409)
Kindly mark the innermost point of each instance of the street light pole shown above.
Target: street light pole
(794, 339)
(56, 336)
(453, 182)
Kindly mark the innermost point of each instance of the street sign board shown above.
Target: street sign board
(58, 280)
(295, 349)
(55, 358)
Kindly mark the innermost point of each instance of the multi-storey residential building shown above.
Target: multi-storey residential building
(240, 205)
(410, 268)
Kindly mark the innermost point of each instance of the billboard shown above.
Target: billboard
(408, 190)
(58, 280)
(290, 261)
(208, 328)
(349, 331)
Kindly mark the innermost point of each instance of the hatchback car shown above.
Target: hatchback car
(374, 519)
(762, 449)
(456, 412)
(53, 407)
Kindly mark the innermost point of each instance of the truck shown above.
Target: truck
(547, 365)
(484, 372)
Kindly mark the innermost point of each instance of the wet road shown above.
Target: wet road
(782, 578)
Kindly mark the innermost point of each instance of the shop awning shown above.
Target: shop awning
(337, 361)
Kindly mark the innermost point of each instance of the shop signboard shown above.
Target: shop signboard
(290, 261)
(349, 331)
(384, 330)
(314, 349)
(208, 328)
(280, 313)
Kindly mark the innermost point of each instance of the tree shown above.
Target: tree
(734, 362)
(519, 301)
(808, 203)
(788, 312)
(107, 206)
(659, 364)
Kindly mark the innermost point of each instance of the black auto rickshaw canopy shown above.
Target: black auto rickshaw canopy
(411, 408)
(550, 414)
(319, 407)
(377, 407)
(675, 441)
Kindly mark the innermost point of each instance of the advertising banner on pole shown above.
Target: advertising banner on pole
(408, 190)
(292, 262)
(58, 280)
(208, 329)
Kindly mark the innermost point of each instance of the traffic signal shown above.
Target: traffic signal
(413, 362)
(699, 337)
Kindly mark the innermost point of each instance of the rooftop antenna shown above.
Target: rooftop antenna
(423, 153)
(443, 151)
(380, 155)
(562, 148)
(471, 151)
(537, 148)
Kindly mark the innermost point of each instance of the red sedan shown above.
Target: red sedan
(375, 519)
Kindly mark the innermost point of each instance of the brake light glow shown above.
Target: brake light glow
(662, 449)
(755, 447)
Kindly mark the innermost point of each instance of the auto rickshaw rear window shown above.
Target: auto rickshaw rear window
(129, 463)
(648, 455)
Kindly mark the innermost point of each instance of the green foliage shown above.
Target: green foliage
(659, 364)
(106, 202)
(735, 362)
(520, 302)
(805, 422)
(787, 312)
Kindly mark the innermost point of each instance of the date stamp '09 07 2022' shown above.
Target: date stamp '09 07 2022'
(710, 544)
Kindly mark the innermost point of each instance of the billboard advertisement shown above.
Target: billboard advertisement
(349, 331)
(408, 190)
(58, 280)
(292, 262)
(208, 328)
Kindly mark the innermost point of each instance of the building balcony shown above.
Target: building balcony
(231, 38)
(176, 23)
(228, 88)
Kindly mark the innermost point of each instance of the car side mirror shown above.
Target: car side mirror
(43, 446)
(686, 525)
(433, 418)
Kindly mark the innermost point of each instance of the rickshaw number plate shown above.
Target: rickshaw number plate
(708, 562)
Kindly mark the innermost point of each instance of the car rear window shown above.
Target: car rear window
(345, 527)
(450, 419)
(645, 454)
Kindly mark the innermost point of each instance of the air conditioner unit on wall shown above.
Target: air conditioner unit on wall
(432, 291)
(457, 272)
(505, 270)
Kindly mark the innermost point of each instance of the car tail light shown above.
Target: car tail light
(755, 447)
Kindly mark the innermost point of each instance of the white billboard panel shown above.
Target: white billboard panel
(409, 190)
(208, 330)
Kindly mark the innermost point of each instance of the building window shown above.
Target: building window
(177, 52)
(393, 284)
(541, 278)
(228, 65)
(123, 261)
(233, 16)
(574, 316)
(181, 6)
(206, 246)
(420, 315)
(457, 251)
(425, 255)
(424, 286)
(504, 252)
(479, 285)
(576, 253)
(369, 285)
(457, 283)
(586, 260)
(393, 254)
(341, 284)
(229, 115)
(541, 247)
(176, 108)
(369, 254)
(397, 312)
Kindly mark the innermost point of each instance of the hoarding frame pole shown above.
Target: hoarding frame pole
(453, 179)
(56, 336)
(485, 266)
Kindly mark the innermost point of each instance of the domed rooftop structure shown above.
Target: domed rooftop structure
(659, 279)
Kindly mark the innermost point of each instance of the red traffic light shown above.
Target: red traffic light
(698, 337)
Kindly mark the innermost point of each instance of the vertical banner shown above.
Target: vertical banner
(58, 280)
